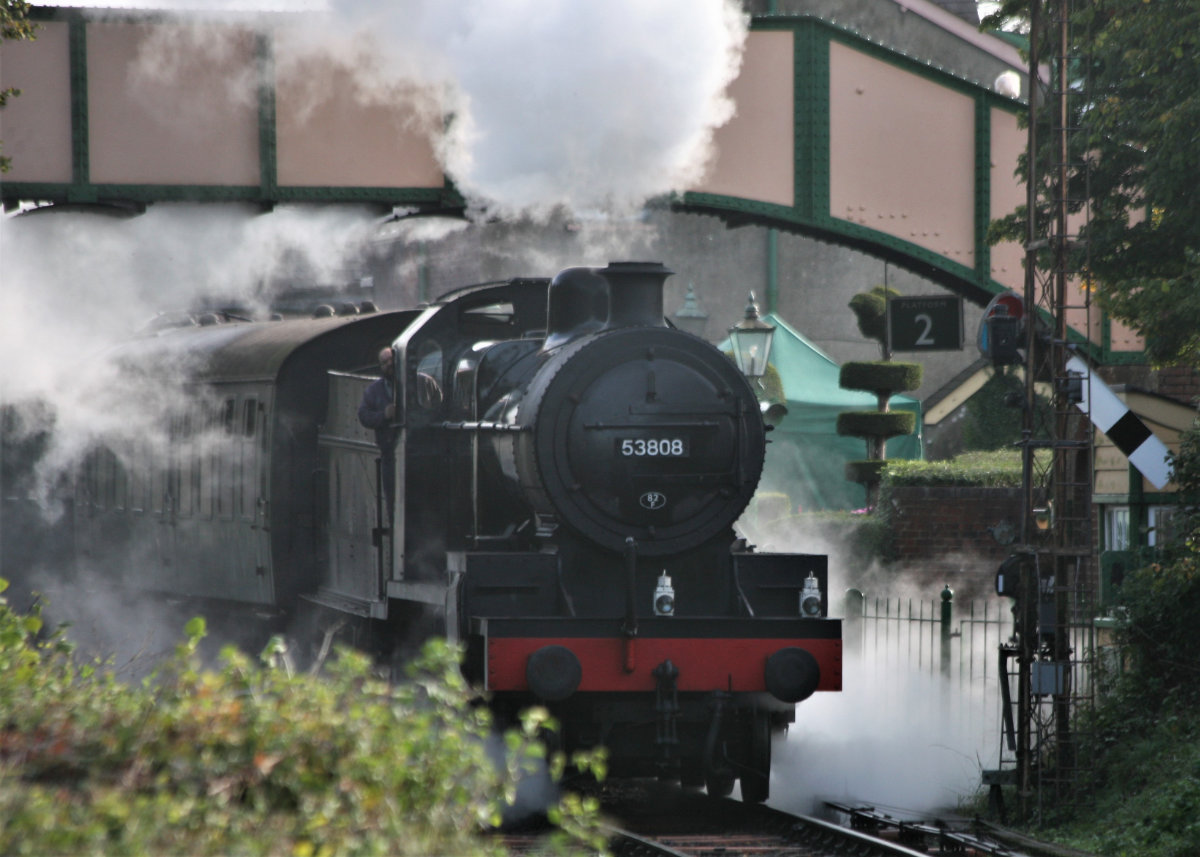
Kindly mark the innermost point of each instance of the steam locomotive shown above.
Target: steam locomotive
(568, 471)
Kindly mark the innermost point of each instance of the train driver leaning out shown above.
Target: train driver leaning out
(378, 411)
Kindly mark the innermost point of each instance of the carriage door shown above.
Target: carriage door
(357, 544)
(254, 532)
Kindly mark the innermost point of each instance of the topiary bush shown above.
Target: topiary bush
(883, 378)
(876, 424)
(870, 310)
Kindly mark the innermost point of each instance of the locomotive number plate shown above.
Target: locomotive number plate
(654, 447)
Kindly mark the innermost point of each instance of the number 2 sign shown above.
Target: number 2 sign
(930, 323)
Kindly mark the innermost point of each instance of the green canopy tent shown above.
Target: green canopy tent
(806, 456)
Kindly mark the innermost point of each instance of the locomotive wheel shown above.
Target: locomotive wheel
(756, 778)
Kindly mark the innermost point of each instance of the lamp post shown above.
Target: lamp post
(751, 340)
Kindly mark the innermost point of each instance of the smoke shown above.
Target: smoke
(596, 105)
(584, 106)
(589, 106)
(908, 742)
(76, 283)
(902, 735)
(577, 111)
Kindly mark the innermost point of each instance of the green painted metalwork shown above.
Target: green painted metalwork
(810, 116)
(80, 155)
(983, 187)
(81, 189)
(268, 166)
(772, 295)
(810, 213)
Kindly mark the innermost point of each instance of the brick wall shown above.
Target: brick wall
(954, 535)
(1181, 383)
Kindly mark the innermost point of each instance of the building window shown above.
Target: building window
(1163, 523)
(1116, 528)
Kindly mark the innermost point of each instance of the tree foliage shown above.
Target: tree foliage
(994, 415)
(1144, 738)
(1133, 69)
(14, 24)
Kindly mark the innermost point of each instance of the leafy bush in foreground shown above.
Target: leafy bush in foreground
(251, 759)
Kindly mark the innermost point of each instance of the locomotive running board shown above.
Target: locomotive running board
(343, 603)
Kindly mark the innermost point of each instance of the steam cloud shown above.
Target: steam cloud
(591, 106)
(594, 105)
(906, 741)
(588, 105)
(75, 283)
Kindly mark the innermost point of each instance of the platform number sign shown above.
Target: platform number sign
(930, 323)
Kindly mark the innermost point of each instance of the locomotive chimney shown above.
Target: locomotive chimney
(586, 300)
(635, 293)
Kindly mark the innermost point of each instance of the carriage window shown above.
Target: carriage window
(249, 412)
(120, 483)
(227, 415)
(138, 476)
(93, 476)
(429, 375)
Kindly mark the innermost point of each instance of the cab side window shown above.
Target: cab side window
(429, 374)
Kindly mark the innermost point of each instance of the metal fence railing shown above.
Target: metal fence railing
(951, 649)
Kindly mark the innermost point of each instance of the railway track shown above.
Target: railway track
(794, 836)
(651, 820)
(787, 836)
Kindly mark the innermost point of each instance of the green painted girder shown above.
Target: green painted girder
(810, 215)
(267, 193)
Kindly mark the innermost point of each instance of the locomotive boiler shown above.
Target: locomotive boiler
(569, 469)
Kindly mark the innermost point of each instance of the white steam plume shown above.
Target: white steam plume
(908, 742)
(593, 105)
(73, 284)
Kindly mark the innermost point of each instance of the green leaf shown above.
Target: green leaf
(196, 628)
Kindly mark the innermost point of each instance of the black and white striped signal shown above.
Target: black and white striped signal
(1122, 426)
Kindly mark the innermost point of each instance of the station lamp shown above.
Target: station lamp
(751, 340)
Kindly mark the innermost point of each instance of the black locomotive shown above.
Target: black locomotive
(569, 469)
